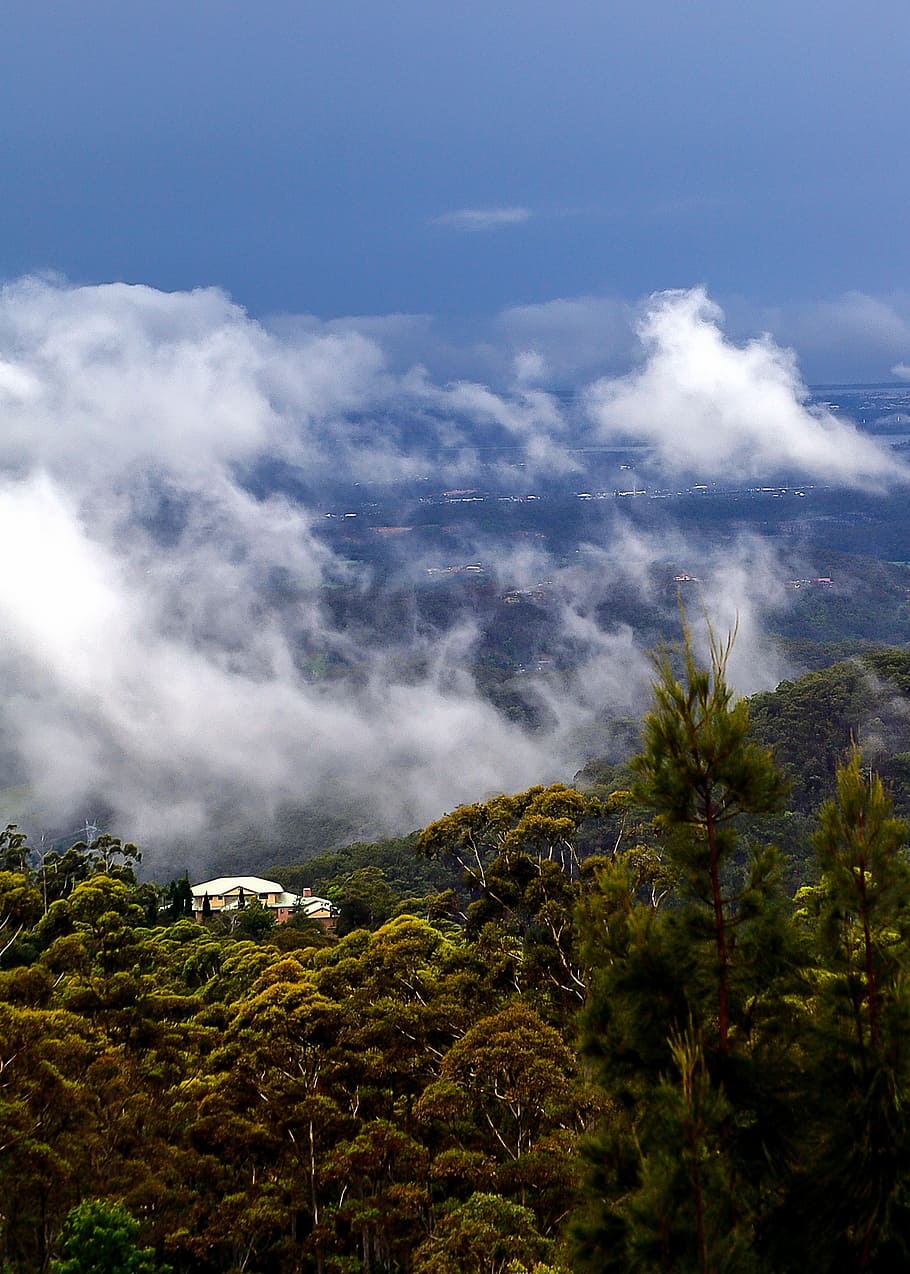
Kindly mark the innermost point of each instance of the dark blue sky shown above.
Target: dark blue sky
(308, 156)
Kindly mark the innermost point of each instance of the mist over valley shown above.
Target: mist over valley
(270, 592)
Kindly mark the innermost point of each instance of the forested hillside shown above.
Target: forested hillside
(810, 723)
(609, 1027)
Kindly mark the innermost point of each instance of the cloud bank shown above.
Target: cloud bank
(142, 660)
(145, 661)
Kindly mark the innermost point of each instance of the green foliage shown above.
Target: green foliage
(812, 722)
(100, 1238)
(682, 1020)
(363, 898)
(14, 853)
(851, 1178)
(20, 907)
(404, 871)
(409, 1097)
(252, 920)
(864, 898)
(179, 899)
(519, 859)
(698, 768)
(520, 1074)
(701, 773)
(542, 822)
(484, 1235)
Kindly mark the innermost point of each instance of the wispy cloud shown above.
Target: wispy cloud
(473, 220)
(160, 612)
(147, 660)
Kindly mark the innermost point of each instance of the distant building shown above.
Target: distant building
(228, 893)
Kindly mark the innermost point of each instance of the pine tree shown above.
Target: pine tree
(683, 1023)
(701, 773)
(864, 897)
(851, 1181)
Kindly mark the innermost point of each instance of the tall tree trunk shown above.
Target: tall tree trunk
(720, 932)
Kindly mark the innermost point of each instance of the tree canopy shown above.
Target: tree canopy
(563, 1029)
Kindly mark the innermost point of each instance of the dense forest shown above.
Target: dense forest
(655, 1021)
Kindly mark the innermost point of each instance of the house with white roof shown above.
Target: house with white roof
(229, 893)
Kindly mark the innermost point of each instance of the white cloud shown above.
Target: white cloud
(851, 338)
(153, 670)
(722, 410)
(480, 219)
(149, 665)
(112, 687)
(530, 367)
